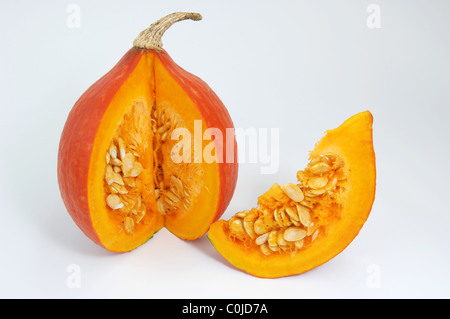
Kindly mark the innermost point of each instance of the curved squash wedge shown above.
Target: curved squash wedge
(297, 227)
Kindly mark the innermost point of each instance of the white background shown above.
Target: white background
(300, 66)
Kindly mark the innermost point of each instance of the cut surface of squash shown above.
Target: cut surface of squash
(128, 164)
(143, 187)
(299, 226)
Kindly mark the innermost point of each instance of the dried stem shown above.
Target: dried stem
(150, 38)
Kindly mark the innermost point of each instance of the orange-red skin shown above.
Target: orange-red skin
(79, 133)
(77, 140)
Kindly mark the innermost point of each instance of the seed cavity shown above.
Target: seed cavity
(287, 226)
(127, 175)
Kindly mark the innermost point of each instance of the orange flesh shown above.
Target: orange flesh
(130, 116)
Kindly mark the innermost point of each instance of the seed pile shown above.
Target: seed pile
(170, 192)
(291, 216)
(122, 170)
(143, 139)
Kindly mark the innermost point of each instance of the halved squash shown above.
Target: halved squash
(299, 226)
(122, 171)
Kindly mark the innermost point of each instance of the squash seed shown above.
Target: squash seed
(241, 214)
(116, 162)
(160, 206)
(172, 197)
(299, 244)
(280, 239)
(294, 234)
(261, 239)
(320, 168)
(311, 229)
(277, 217)
(114, 202)
(122, 150)
(318, 182)
(315, 192)
(293, 192)
(113, 151)
(128, 164)
(116, 188)
(259, 227)
(236, 228)
(274, 248)
(129, 224)
(272, 238)
(285, 218)
(292, 214)
(139, 216)
(314, 235)
(332, 184)
(178, 183)
(304, 215)
(248, 227)
(265, 249)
